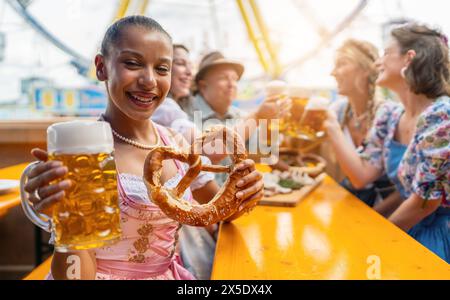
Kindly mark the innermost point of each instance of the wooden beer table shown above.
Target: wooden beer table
(329, 235)
(40, 273)
(10, 200)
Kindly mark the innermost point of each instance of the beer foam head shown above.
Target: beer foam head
(318, 103)
(75, 137)
(276, 87)
(297, 91)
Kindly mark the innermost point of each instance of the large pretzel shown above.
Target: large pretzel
(223, 206)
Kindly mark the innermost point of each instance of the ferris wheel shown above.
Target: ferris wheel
(255, 26)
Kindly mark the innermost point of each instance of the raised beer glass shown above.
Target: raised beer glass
(89, 215)
(280, 89)
(311, 124)
(299, 98)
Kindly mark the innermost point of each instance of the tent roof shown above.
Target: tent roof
(202, 25)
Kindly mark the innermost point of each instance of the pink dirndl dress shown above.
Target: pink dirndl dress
(147, 249)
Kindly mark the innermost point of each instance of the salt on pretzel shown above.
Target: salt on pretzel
(223, 206)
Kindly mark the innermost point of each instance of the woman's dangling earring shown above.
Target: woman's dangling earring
(403, 72)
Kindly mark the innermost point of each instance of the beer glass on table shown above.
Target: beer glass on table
(89, 215)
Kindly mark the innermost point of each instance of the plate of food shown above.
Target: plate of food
(8, 185)
(292, 179)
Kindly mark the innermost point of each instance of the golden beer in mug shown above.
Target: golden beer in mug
(276, 88)
(89, 215)
(299, 98)
(311, 123)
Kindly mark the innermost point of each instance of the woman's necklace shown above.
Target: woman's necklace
(134, 143)
(358, 119)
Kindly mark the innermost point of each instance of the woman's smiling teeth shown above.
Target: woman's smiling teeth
(144, 100)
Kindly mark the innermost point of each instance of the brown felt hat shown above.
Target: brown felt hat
(216, 58)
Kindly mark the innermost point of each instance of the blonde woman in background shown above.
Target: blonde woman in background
(410, 141)
(355, 73)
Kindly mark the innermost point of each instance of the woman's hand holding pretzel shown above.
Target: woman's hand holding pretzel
(250, 188)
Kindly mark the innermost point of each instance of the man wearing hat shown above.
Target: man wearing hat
(216, 88)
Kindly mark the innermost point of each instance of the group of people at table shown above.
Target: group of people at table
(394, 154)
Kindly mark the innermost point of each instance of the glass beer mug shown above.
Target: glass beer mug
(311, 124)
(89, 215)
(276, 88)
(299, 98)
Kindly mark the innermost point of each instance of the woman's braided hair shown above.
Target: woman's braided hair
(365, 55)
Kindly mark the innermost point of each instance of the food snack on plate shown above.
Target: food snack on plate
(223, 206)
(293, 172)
(309, 163)
(284, 182)
(271, 186)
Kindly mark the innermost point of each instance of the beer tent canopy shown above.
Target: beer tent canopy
(296, 29)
